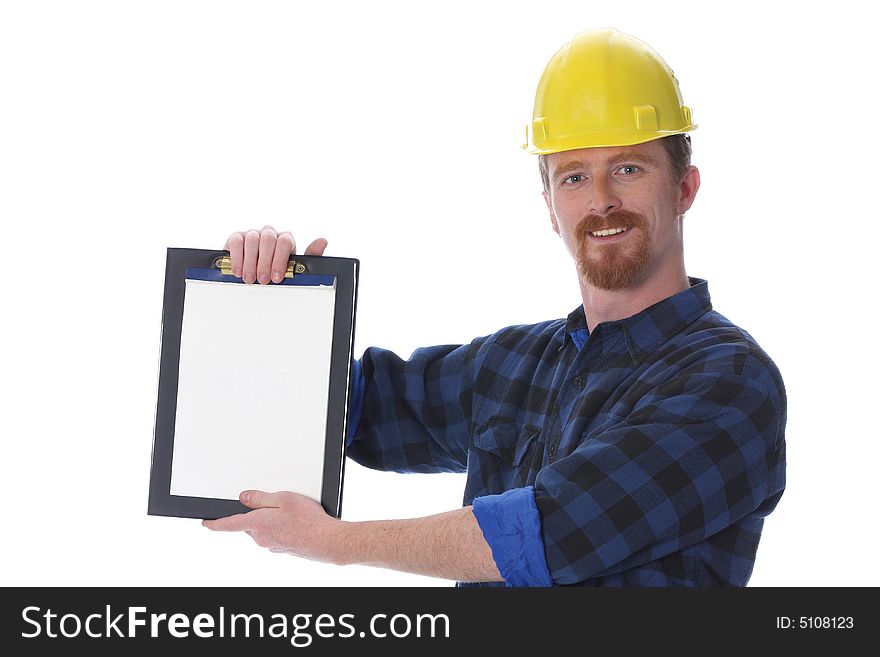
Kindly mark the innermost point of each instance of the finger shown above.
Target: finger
(267, 250)
(251, 251)
(257, 499)
(235, 246)
(237, 523)
(284, 246)
(317, 247)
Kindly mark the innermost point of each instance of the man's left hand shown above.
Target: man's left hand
(286, 522)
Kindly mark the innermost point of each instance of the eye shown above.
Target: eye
(572, 179)
(629, 169)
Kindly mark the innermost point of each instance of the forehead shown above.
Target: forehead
(652, 152)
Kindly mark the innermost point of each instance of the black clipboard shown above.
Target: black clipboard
(331, 283)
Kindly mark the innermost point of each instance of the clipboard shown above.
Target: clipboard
(254, 384)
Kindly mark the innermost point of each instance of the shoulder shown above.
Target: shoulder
(518, 347)
(525, 338)
(715, 345)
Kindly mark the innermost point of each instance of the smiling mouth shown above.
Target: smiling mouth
(608, 232)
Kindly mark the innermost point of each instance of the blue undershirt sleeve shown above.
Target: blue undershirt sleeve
(511, 526)
(356, 405)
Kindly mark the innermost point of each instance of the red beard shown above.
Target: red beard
(615, 265)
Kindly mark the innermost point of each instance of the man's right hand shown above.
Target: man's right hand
(261, 255)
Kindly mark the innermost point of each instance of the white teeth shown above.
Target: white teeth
(608, 231)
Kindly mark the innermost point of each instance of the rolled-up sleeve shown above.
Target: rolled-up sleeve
(511, 526)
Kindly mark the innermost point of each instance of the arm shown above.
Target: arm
(448, 545)
(696, 455)
(415, 414)
(407, 415)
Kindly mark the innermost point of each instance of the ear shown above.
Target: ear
(687, 189)
(552, 214)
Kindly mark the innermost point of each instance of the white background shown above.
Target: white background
(394, 130)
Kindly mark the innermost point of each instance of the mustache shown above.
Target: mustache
(618, 218)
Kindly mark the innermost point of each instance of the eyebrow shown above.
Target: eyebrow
(568, 166)
(635, 157)
(573, 165)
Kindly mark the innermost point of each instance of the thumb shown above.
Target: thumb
(317, 247)
(257, 499)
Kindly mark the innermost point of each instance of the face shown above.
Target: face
(618, 210)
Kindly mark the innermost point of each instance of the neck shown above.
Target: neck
(650, 288)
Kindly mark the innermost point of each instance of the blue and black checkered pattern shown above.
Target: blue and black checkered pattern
(653, 453)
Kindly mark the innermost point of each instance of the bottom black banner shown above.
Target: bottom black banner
(433, 620)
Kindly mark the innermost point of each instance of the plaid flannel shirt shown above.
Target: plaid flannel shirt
(645, 453)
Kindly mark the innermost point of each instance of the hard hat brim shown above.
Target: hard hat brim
(601, 140)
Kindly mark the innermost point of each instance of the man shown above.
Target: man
(639, 441)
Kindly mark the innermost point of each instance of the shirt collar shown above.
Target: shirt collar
(652, 326)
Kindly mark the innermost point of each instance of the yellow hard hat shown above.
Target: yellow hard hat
(605, 88)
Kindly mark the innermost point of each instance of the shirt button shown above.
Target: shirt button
(579, 381)
(551, 451)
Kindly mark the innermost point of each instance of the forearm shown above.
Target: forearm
(448, 545)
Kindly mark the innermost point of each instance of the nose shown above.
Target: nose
(603, 200)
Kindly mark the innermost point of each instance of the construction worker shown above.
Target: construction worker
(637, 442)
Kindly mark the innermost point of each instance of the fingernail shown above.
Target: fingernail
(249, 276)
(236, 273)
(276, 276)
(245, 497)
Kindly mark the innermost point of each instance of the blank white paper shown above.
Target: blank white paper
(253, 389)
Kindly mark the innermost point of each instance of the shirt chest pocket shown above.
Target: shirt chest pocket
(506, 450)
